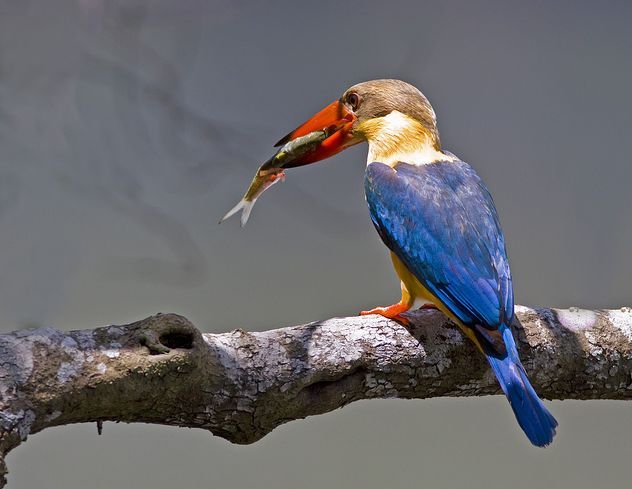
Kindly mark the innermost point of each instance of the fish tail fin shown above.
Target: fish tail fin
(245, 206)
(533, 417)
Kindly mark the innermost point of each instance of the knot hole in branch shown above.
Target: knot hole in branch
(165, 332)
(177, 339)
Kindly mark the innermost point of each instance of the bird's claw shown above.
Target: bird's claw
(393, 312)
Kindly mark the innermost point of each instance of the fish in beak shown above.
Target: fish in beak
(325, 134)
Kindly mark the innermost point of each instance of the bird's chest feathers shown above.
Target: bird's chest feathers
(398, 138)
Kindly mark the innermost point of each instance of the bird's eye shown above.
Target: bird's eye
(353, 100)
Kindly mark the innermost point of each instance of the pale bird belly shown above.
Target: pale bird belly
(418, 292)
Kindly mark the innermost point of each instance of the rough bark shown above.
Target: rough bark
(241, 385)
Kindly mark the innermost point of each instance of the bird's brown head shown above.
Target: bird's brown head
(389, 112)
(373, 101)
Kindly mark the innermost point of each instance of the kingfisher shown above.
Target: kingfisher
(438, 219)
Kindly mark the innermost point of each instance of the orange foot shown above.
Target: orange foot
(392, 312)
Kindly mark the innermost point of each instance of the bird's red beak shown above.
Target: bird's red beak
(337, 122)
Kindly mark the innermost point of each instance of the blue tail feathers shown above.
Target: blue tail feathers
(535, 420)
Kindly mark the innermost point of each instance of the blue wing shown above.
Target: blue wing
(440, 220)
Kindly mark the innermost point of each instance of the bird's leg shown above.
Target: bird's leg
(394, 311)
(391, 311)
(429, 305)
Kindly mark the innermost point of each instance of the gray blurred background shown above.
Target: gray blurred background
(128, 128)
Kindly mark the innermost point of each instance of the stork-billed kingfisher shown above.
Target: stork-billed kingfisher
(438, 220)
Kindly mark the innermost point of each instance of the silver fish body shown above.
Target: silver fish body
(272, 171)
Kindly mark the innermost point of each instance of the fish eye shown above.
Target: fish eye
(353, 100)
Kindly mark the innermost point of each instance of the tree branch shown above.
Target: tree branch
(241, 385)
